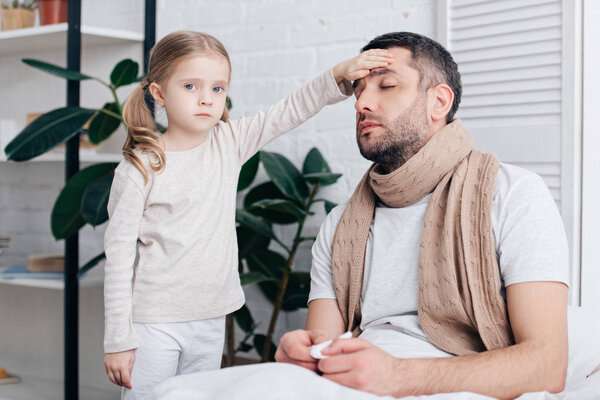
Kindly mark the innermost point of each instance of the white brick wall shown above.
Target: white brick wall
(275, 47)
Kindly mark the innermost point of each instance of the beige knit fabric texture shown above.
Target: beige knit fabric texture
(460, 306)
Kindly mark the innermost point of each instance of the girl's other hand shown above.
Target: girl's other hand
(118, 367)
(361, 65)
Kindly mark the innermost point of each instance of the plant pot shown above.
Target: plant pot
(52, 11)
(17, 18)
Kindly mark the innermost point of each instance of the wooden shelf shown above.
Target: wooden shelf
(54, 37)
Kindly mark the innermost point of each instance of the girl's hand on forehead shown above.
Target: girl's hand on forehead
(361, 65)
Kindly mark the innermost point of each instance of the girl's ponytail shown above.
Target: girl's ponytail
(141, 132)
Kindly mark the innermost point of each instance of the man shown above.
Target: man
(452, 267)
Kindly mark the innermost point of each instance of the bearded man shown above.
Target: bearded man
(449, 267)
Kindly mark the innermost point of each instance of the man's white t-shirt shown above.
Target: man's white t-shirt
(531, 245)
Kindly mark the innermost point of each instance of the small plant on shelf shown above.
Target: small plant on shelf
(17, 14)
(14, 4)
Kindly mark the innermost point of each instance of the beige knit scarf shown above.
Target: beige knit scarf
(460, 306)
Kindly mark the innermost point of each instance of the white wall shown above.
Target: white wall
(275, 47)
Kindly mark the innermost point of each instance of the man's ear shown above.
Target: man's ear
(156, 93)
(442, 98)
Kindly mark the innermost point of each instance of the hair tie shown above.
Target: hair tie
(145, 83)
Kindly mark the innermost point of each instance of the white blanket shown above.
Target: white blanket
(289, 382)
(285, 381)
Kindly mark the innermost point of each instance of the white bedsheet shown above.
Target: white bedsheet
(289, 382)
(286, 381)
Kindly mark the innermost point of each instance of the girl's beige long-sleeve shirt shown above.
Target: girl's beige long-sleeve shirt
(184, 218)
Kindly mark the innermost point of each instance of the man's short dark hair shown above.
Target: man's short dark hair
(434, 63)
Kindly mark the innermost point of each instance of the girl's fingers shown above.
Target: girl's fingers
(371, 62)
(117, 374)
(381, 52)
(126, 379)
(379, 58)
(383, 56)
(371, 65)
(111, 376)
(358, 74)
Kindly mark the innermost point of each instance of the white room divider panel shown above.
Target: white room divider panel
(518, 61)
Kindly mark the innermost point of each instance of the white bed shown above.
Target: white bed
(285, 381)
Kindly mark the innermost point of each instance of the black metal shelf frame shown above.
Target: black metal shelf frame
(71, 292)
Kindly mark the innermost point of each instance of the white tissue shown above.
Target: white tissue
(315, 350)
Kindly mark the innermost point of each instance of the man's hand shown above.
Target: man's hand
(294, 347)
(361, 65)
(358, 364)
(118, 367)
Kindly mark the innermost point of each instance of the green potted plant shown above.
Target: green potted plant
(287, 198)
(18, 14)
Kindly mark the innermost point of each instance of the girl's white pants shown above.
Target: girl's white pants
(171, 349)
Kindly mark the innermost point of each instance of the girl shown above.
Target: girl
(176, 194)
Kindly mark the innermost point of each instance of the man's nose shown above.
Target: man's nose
(366, 102)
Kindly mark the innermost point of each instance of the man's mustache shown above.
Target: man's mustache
(371, 117)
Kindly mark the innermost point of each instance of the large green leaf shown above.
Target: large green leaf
(95, 200)
(280, 206)
(103, 124)
(255, 223)
(322, 178)
(47, 132)
(56, 70)
(269, 263)
(249, 242)
(248, 172)
(285, 176)
(259, 343)
(244, 319)
(314, 163)
(267, 190)
(124, 73)
(66, 216)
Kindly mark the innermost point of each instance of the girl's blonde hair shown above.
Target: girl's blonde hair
(141, 128)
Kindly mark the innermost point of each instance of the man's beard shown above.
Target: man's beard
(404, 137)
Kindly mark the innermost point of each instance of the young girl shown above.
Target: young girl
(176, 194)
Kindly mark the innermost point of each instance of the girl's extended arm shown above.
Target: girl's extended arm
(250, 134)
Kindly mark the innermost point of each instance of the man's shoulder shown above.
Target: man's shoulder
(514, 178)
(519, 187)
